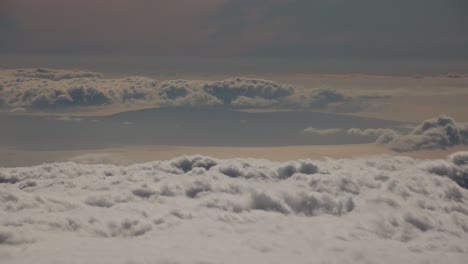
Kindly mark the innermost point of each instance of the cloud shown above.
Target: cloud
(401, 205)
(55, 75)
(455, 75)
(435, 133)
(328, 99)
(68, 118)
(231, 89)
(324, 97)
(52, 89)
(18, 110)
(13, 238)
(185, 93)
(455, 168)
(382, 135)
(322, 132)
(47, 89)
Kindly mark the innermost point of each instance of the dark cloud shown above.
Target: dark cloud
(435, 133)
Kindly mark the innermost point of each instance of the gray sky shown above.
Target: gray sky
(371, 29)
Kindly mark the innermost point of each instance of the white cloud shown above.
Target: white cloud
(373, 209)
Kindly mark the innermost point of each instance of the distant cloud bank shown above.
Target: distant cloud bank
(435, 133)
(47, 89)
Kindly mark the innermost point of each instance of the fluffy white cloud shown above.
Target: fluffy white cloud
(374, 209)
(47, 89)
(439, 132)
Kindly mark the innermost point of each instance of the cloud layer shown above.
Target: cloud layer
(47, 89)
(435, 133)
(367, 209)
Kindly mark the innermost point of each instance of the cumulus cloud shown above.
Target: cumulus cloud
(413, 209)
(47, 89)
(231, 89)
(438, 132)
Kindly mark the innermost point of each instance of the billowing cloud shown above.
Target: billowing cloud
(47, 89)
(231, 89)
(407, 209)
(439, 132)
(44, 88)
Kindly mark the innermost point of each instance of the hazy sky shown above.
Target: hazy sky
(316, 29)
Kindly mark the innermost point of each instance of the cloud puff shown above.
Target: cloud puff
(328, 99)
(231, 89)
(439, 132)
(324, 97)
(58, 89)
(47, 89)
(410, 208)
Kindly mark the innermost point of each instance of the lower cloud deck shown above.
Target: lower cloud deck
(198, 209)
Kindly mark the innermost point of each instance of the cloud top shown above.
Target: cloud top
(411, 208)
(47, 89)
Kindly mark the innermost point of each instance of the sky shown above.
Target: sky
(336, 29)
(233, 131)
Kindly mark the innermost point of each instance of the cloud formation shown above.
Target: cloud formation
(47, 89)
(413, 209)
(439, 132)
